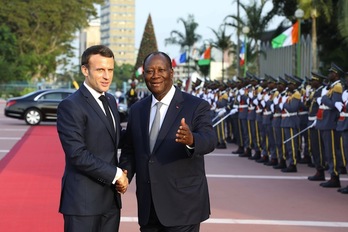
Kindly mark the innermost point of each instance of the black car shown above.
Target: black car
(36, 106)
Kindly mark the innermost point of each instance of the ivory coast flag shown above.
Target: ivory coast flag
(139, 71)
(287, 38)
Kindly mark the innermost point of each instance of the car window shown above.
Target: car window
(51, 96)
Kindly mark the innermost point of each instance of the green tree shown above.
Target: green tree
(257, 20)
(314, 9)
(186, 39)
(44, 31)
(148, 44)
(224, 43)
(343, 16)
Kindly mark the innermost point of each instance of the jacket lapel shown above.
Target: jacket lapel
(173, 111)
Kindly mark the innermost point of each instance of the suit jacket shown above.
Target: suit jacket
(90, 146)
(172, 176)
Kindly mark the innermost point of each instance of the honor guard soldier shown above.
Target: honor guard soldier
(290, 122)
(342, 125)
(315, 143)
(327, 122)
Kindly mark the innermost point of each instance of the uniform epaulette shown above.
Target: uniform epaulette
(337, 88)
(296, 95)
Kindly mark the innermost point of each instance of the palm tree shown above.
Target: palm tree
(186, 39)
(257, 22)
(223, 42)
(313, 9)
(343, 19)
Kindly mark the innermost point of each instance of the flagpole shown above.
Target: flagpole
(245, 30)
(299, 14)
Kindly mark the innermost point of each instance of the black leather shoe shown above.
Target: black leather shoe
(229, 140)
(319, 176)
(263, 159)
(334, 182)
(256, 156)
(221, 146)
(291, 168)
(343, 170)
(247, 153)
(305, 160)
(311, 165)
(272, 162)
(281, 165)
(240, 150)
(343, 190)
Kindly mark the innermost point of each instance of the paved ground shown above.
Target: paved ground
(245, 195)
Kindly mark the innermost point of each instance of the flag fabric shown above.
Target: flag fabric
(205, 57)
(286, 38)
(174, 63)
(139, 71)
(242, 55)
(179, 60)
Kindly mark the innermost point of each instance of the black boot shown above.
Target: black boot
(291, 168)
(272, 162)
(319, 176)
(334, 182)
(256, 156)
(247, 153)
(263, 159)
(305, 160)
(281, 165)
(240, 150)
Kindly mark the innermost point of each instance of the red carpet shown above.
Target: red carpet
(30, 177)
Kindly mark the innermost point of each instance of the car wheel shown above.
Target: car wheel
(33, 117)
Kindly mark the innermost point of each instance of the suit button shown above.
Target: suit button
(148, 182)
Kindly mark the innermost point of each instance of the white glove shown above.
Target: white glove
(221, 112)
(248, 101)
(284, 99)
(308, 90)
(241, 91)
(345, 96)
(238, 98)
(313, 124)
(263, 103)
(319, 100)
(272, 108)
(259, 96)
(339, 106)
(281, 105)
(276, 100)
(233, 111)
(256, 102)
(250, 94)
(324, 91)
(266, 97)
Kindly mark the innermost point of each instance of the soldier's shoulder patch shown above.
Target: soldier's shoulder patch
(296, 95)
(337, 88)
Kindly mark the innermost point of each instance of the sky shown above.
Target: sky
(165, 14)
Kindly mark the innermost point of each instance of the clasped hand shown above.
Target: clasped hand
(122, 183)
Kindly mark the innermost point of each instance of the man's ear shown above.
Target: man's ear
(84, 70)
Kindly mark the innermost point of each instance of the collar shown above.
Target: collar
(94, 93)
(167, 99)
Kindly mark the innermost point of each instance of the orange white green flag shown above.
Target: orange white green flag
(286, 38)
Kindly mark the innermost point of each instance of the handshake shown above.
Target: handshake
(122, 183)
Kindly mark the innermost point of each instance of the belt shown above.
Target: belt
(343, 114)
(312, 118)
(267, 113)
(289, 114)
(259, 111)
(243, 106)
(302, 112)
(324, 107)
(235, 106)
(277, 115)
(251, 108)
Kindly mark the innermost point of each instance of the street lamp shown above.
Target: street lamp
(245, 31)
(299, 13)
(186, 48)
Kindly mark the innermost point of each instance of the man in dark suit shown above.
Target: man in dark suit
(92, 182)
(172, 189)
